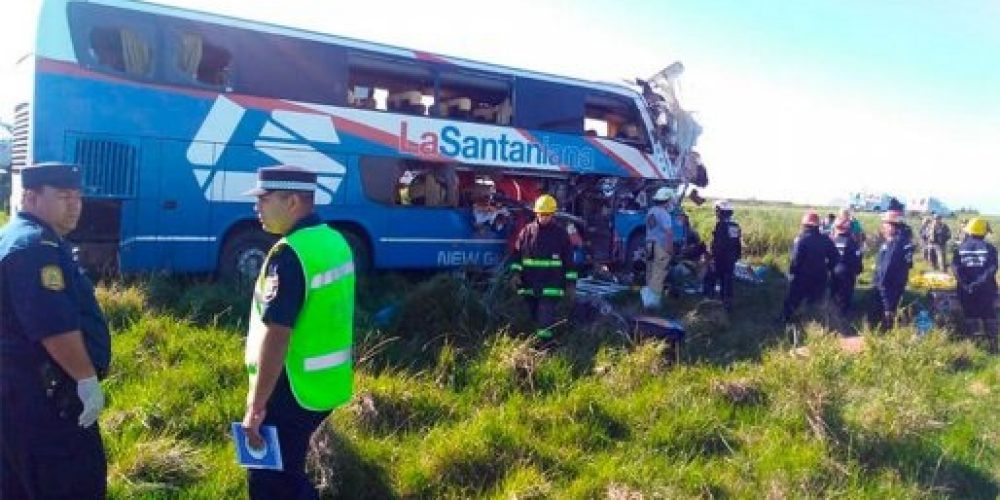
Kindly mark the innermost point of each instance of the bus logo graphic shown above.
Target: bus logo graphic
(287, 137)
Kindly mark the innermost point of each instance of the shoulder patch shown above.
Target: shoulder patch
(52, 278)
(270, 288)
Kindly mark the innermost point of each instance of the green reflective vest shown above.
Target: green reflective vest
(318, 362)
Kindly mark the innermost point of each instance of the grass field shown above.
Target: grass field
(452, 401)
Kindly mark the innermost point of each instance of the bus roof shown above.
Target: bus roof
(385, 49)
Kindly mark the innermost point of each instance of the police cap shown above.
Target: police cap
(57, 175)
(283, 178)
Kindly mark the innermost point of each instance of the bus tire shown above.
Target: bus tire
(360, 250)
(244, 253)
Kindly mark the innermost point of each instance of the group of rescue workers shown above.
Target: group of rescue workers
(55, 346)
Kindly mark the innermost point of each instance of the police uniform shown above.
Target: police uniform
(975, 266)
(812, 260)
(892, 268)
(43, 292)
(290, 292)
(845, 273)
(727, 248)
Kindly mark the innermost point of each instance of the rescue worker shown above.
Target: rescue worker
(298, 352)
(892, 266)
(54, 348)
(857, 230)
(659, 247)
(849, 265)
(542, 262)
(974, 263)
(727, 248)
(813, 258)
(940, 235)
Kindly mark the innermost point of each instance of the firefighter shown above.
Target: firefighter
(812, 260)
(54, 348)
(659, 247)
(974, 263)
(892, 266)
(845, 273)
(727, 248)
(542, 263)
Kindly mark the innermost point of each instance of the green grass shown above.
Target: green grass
(452, 403)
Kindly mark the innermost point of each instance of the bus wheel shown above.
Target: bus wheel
(360, 251)
(244, 254)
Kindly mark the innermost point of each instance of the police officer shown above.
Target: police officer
(892, 266)
(54, 348)
(812, 260)
(659, 247)
(298, 351)
(727, 248)
(974, 263)
(542, 262)
(845, 273)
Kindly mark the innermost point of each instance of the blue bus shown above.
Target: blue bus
(424, 160)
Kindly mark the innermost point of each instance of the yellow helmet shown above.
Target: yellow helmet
(545, 204)
(977, 226)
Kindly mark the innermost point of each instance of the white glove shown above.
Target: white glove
(90, 394)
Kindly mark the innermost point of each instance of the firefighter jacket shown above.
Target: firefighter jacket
(892, 267)
(813, 256)
(975, 264)
(727, 246)
(543, 255)
(850, 255)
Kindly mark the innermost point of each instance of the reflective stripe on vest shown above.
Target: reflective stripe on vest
(318, 361)
(527, 262)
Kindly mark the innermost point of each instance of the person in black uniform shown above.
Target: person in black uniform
(892, 266)
(542, 263)
(727, 248)
(974, 263)
(812, 260)
(845, 273)
(54, 348)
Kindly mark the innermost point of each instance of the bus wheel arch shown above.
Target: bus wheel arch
(360, 242)
(243, 251)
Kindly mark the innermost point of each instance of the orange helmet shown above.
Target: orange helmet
(810, 218)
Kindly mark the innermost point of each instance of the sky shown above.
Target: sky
(801, 101)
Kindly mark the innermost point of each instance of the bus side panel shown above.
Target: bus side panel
(140, 215)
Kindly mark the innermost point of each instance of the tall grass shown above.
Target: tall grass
(454, 401)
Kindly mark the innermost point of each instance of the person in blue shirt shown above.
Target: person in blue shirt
(974, 263)
(845, 273)
(892, 266)
(813, 258)
(54, 348)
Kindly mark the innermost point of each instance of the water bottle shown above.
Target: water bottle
(924, 322)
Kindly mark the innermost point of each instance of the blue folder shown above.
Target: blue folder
(268, 457)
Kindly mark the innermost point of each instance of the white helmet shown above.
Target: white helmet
(663, 194)
(723, 206)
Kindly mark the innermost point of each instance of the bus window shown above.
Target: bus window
(615, 118)
(406, 182)
(389, 85)
(121, 49)
(548, 106)
(469, 96)
(203, 61)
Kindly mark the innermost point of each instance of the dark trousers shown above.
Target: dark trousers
(722, 274)
(842, 291)
(45, 453)
(295, 428)
(544, 312)
(810, 290)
